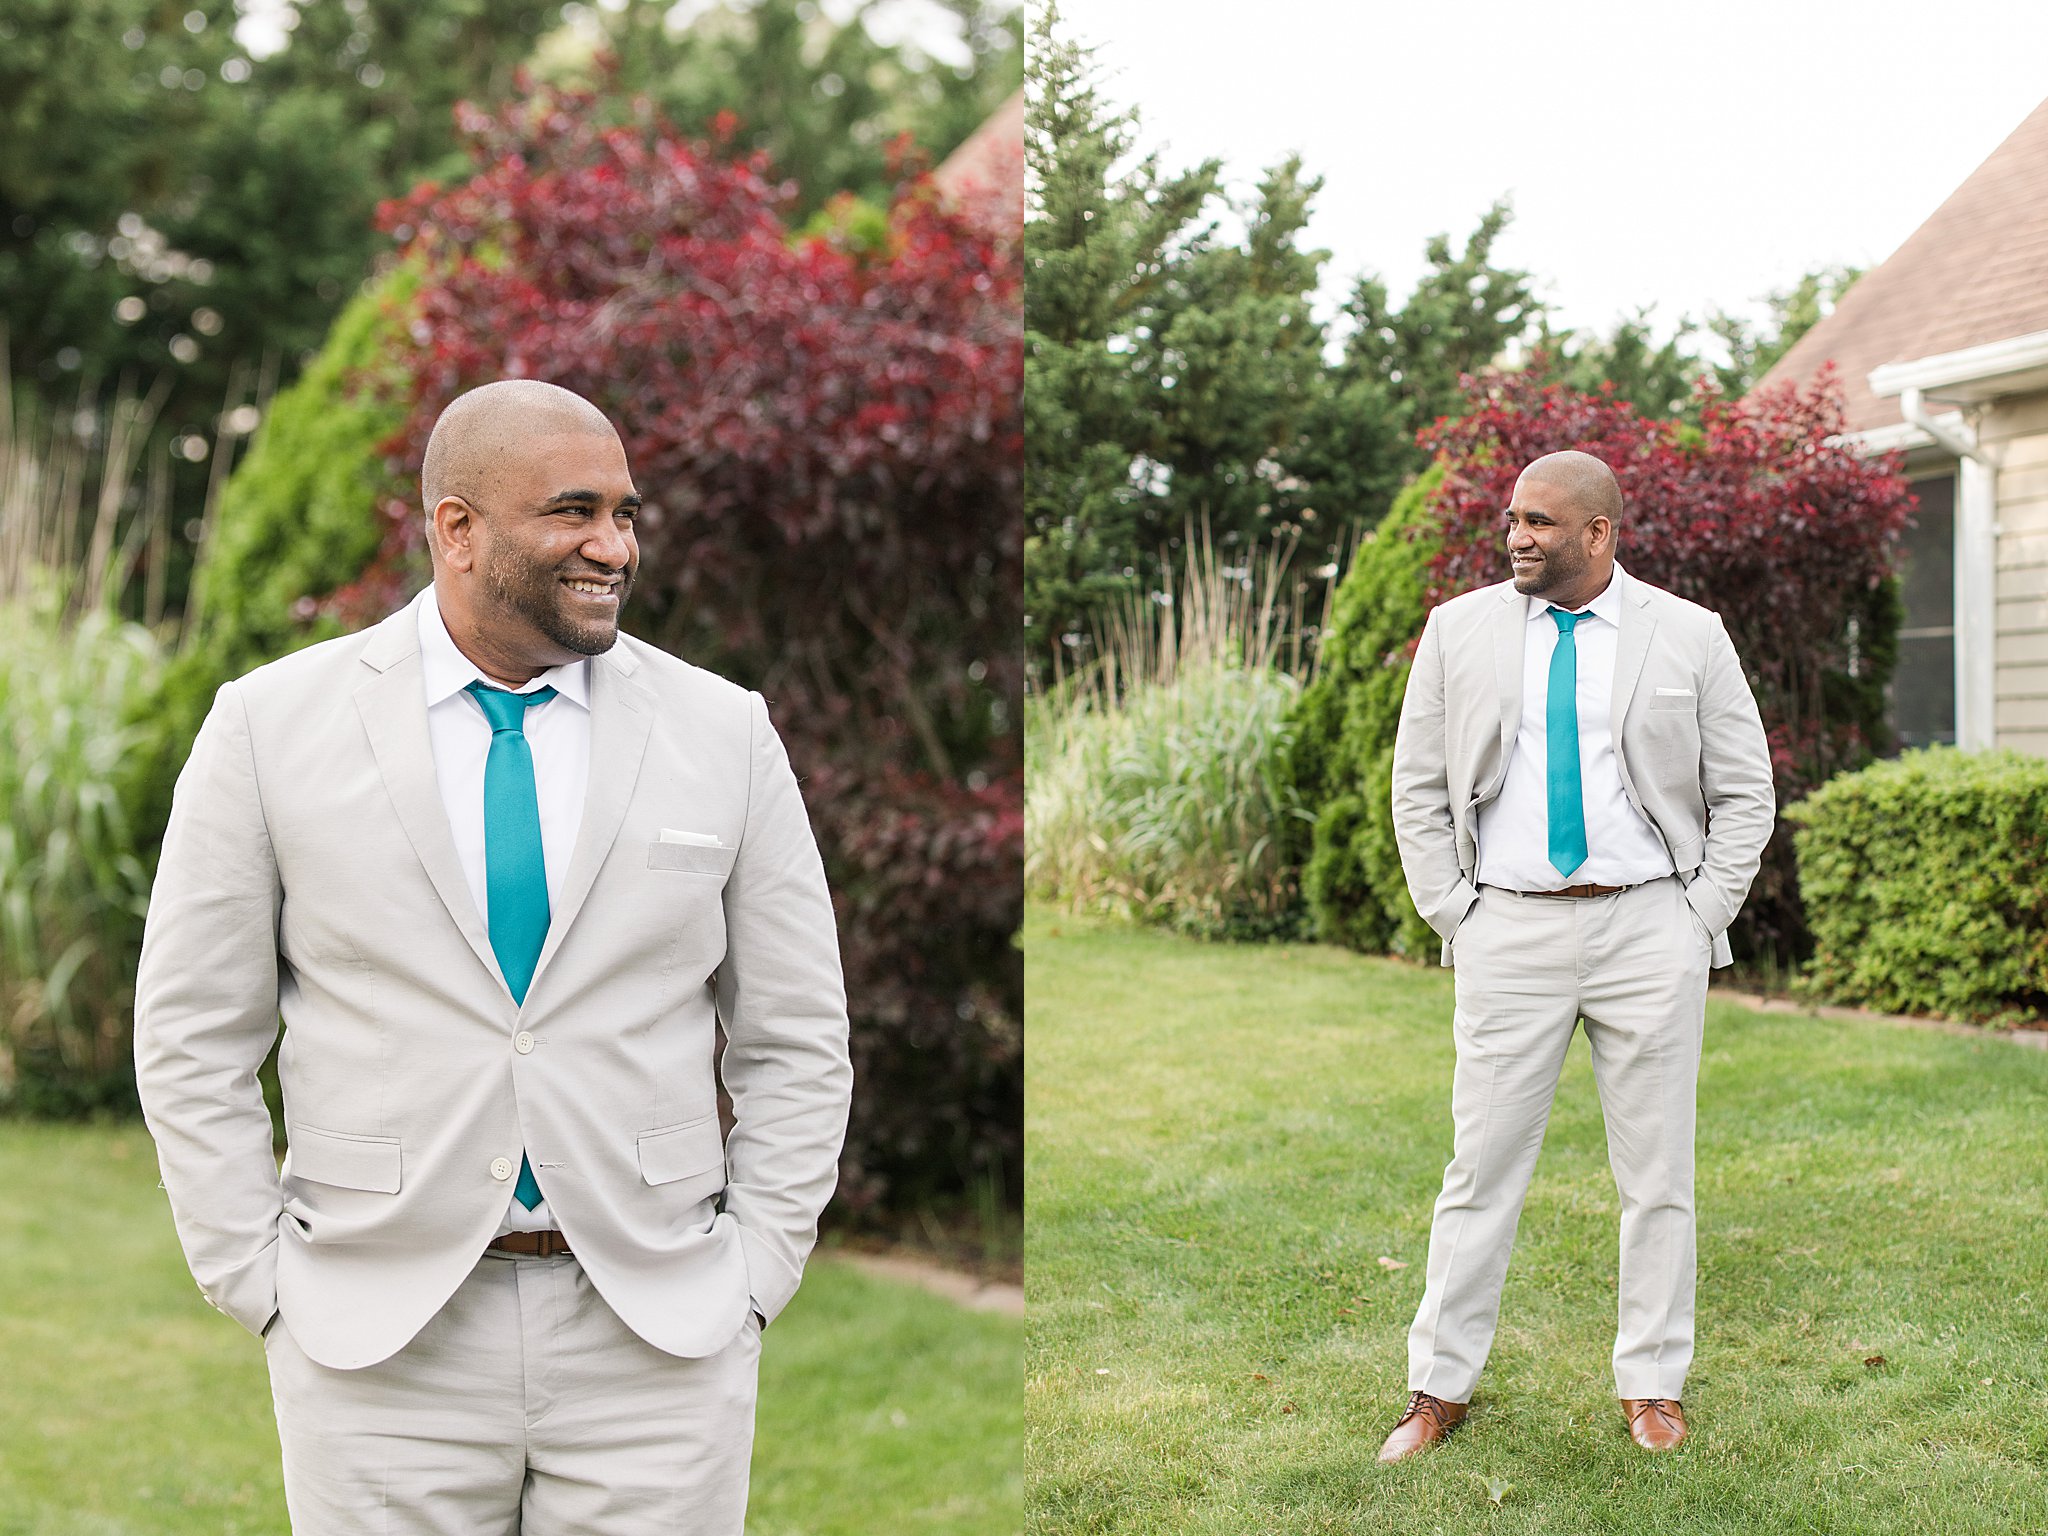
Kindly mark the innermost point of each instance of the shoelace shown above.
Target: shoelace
(1644, 1405)
(1435, 1409)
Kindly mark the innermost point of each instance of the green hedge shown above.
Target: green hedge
(1925, 881)
(299, 516)
(1343, 752)
(297, 519)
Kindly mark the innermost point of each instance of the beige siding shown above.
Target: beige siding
(2021, 545)
(2021, 646)
(2014, 419)
(2019, 431)
(2020, 582)
(2024, 488)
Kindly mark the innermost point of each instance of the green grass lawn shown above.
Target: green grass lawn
(1225, 1141)
(128, 1405)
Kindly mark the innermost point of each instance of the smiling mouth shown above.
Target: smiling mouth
(602, 591)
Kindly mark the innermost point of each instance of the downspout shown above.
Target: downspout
(1976, 574)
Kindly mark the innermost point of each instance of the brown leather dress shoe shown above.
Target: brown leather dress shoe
(1655, 1423)
(1424, 1422)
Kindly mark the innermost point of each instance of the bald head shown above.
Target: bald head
(530, 518)
(482, 432)
(1561, 528)
(1586, 481)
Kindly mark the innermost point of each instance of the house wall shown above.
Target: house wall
(2016, 431)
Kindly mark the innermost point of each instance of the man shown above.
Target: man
(502, 871)
(1582, 793)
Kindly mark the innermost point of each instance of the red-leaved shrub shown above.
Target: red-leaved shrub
(1759, 513)
(829, 440)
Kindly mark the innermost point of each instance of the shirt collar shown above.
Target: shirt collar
(1606, 606)
(447, 671)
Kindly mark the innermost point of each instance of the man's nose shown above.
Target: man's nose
(1519, 537)
(609, 545)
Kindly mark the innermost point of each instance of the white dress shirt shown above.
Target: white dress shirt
(557, 734)
(1514, 828)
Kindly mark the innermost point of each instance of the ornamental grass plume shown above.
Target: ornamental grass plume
(1157, 785)
(73, 887)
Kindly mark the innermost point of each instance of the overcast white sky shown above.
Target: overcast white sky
(1692, 157)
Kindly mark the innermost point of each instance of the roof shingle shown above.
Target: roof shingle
(1976, 271)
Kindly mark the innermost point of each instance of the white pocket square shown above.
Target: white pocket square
(1674, 693)
(694, 839)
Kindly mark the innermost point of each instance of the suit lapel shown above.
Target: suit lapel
(621, 716)
(1638, 625)
(1510, 638)
(393, 707)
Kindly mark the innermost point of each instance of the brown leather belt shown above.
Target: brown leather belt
(532, 1245)
(1581, 890)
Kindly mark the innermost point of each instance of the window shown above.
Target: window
(1923, 691)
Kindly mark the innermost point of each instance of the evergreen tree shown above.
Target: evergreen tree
(1104, 238)
(1235, 368)
(1664, 379)
(1399, 372)
(1657, 379)
(1793, 312)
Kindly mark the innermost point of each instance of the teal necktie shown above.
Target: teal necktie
(1561, 741)
(515, 868)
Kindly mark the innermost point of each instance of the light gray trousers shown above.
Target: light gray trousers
(1634, 966)
(524, 1406)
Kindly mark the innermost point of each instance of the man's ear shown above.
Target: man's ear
(452, 528)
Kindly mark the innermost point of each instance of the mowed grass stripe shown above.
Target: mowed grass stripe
(1225, 1140)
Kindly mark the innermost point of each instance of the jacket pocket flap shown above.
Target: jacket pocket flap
(691, 858)
(351, 1162)
(682, 1151)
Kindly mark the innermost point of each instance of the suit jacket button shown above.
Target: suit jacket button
(501, 1168)
(523, 1043)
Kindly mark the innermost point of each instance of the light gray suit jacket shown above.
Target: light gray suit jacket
(309, 871)
(1694, 761)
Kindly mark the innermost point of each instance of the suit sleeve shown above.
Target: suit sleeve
(783, 1004)
(206, 1015)
(1735, 779)
(1423, 826)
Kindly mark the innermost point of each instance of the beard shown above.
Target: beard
(1559, 568)
(533, 590)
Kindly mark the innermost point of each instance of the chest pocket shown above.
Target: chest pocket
(691, 858)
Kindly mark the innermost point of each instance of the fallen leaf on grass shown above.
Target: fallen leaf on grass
(1875, 1362)
(1287, 1407)
(1498, 1488)
(1257, 1377)
(1387, 1263)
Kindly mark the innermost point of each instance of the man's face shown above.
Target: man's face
(1551, 542)
(555, 552)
